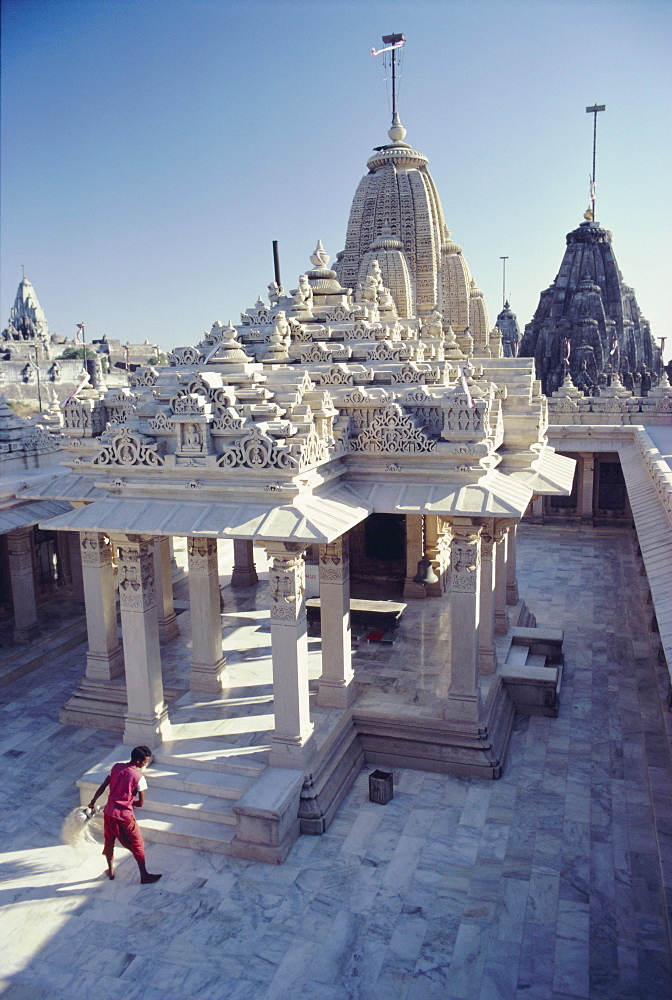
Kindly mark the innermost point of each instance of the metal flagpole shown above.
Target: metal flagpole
(394, 40)
(594, 111)
(37, 368)
(503, 260)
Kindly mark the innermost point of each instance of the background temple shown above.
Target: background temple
(589, 306)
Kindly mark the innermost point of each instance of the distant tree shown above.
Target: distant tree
(71, 353)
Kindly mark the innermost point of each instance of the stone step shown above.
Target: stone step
(250, 762)
(190, 805)
(187, 779)
(167, 774)
(535, 660)
(194, 834)
(517, 656)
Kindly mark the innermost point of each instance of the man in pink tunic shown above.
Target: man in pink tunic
(124, 781)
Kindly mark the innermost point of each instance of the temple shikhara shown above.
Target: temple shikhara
(588, 323)
(367, 444)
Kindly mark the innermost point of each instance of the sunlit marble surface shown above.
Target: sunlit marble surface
(547, 884)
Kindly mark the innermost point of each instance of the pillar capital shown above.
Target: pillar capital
(136, 573)
(202, 553)
(465, 547)
(95, 547)
(502, 526)
(286, 581)
(334, 562)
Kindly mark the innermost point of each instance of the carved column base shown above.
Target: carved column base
(207, 677)
(501, 623)
(512, 593)
(487, 661)
(168, 628)
(148, 730)
(22, 636)
(244, 576)
(105, 666)
(244, 570)
(464, 708)
(335, 693)
(413, 590)
(292, 751)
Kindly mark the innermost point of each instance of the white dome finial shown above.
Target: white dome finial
(319, 258)
(397, 132)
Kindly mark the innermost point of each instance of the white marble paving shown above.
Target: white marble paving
(544, 885)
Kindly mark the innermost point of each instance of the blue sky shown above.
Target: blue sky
(153, 149)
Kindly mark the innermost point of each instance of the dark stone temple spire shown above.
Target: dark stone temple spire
(507, 323)
(589, 306)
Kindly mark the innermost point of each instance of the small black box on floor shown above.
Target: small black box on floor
(381, 787)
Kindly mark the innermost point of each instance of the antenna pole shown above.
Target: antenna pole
(503, 260)
(594, 112)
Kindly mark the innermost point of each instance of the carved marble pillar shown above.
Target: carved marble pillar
(501, 544)
(146, 716)
(415, 550)
(587, 487)
(292, 744)
(337, 688)
(207, 664)
(511, 570)
(22, 579)
(163, 577)
(537, 510)
(433, 553)
(104, 657)
(244, 571)
(76, 574)
(63, 559)
(487, 659)
(464, 699)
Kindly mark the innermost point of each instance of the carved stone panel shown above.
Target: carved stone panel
(287, 588)
(465, 550)
(335, 561)
(202, 556)
(136, 574)
(95, 548)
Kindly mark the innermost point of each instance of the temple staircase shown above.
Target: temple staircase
(190, 799)
(531, 669)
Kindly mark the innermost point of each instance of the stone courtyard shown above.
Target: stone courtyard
(548, 884)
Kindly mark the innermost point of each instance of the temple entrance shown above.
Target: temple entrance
(378, 557)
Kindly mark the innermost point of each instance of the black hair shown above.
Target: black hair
(140, 753)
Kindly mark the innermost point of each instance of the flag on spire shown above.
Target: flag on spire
(73, 395)
(379, 52)
(465, 388)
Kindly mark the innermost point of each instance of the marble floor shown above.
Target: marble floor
(548, 884)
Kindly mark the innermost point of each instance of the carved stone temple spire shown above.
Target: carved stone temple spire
(27, 326)
(589, 306)
(397, 218)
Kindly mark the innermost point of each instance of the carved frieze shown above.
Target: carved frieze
(127, 448)
(258, 451)
(392, 431)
